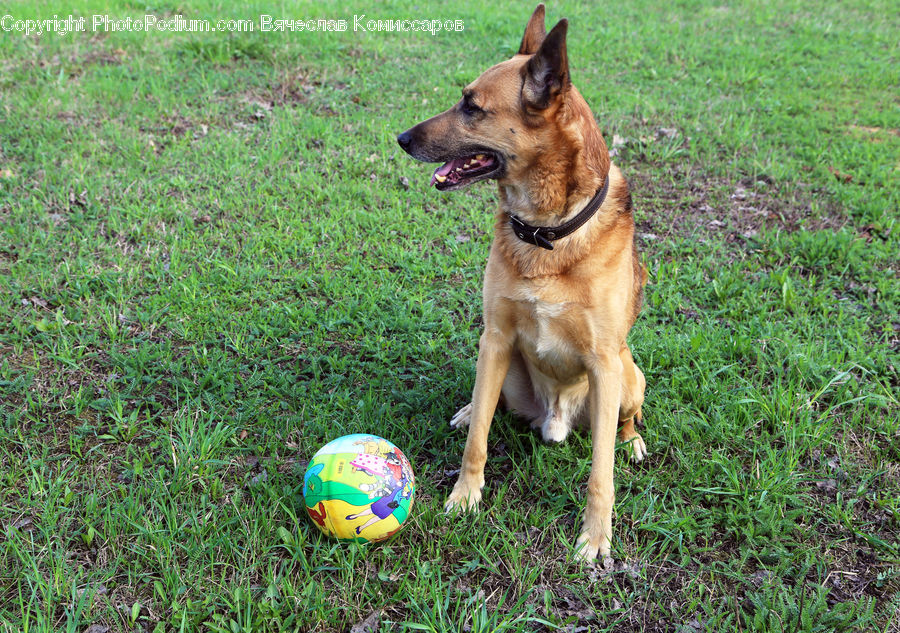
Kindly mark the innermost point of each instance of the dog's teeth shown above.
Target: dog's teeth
(458, 169)
(440, 178)
(479, 157)
(466, 166)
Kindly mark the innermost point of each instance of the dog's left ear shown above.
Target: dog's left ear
(547, 72)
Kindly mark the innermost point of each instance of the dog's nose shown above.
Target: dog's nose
(405, 140)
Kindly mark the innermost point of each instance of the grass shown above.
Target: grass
(214, 258)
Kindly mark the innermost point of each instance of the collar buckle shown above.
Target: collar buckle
(530, 234)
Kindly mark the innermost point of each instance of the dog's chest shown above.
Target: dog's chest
(541, 327)
(548, 334)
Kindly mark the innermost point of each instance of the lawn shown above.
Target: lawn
(214, 258)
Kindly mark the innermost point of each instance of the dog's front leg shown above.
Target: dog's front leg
(494, 350)
(605, 385)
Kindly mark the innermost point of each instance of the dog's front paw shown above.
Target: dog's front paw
(463, 498)
(461, 419)
(588, 550)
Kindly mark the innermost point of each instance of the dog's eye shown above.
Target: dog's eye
(468, 108)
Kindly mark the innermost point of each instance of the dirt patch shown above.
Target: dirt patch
(692, 206)
(873, 134)
(84, 55)
(9, 255)
(854, 566)
(293, 88)
(174, 125)
(97, 56)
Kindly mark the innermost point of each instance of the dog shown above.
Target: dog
(563, 284)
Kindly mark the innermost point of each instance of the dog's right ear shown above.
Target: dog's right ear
(547, 72)
(534, 32)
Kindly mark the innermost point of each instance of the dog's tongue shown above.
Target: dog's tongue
(457, 169)
(446, 169)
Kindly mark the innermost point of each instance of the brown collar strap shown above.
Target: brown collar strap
(543, 236)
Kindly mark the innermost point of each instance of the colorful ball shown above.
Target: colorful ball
(359, 487)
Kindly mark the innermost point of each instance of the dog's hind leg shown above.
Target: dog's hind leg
(517, 396)
(633, 384)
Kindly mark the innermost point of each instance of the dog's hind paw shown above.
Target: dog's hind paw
(637, 448)
(461, 419)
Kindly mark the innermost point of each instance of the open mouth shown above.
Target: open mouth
(460, 172)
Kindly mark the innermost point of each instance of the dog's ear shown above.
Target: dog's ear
(534, 32)
(547, 72)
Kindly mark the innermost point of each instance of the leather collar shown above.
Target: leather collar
(543, 236)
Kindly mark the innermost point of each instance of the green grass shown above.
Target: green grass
(209, 266)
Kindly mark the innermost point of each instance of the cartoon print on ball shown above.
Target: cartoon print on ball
(393, 481)
(359, 487)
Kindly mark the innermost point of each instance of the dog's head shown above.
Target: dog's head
(509, 119)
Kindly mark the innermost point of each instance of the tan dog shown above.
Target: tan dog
(563, 283)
